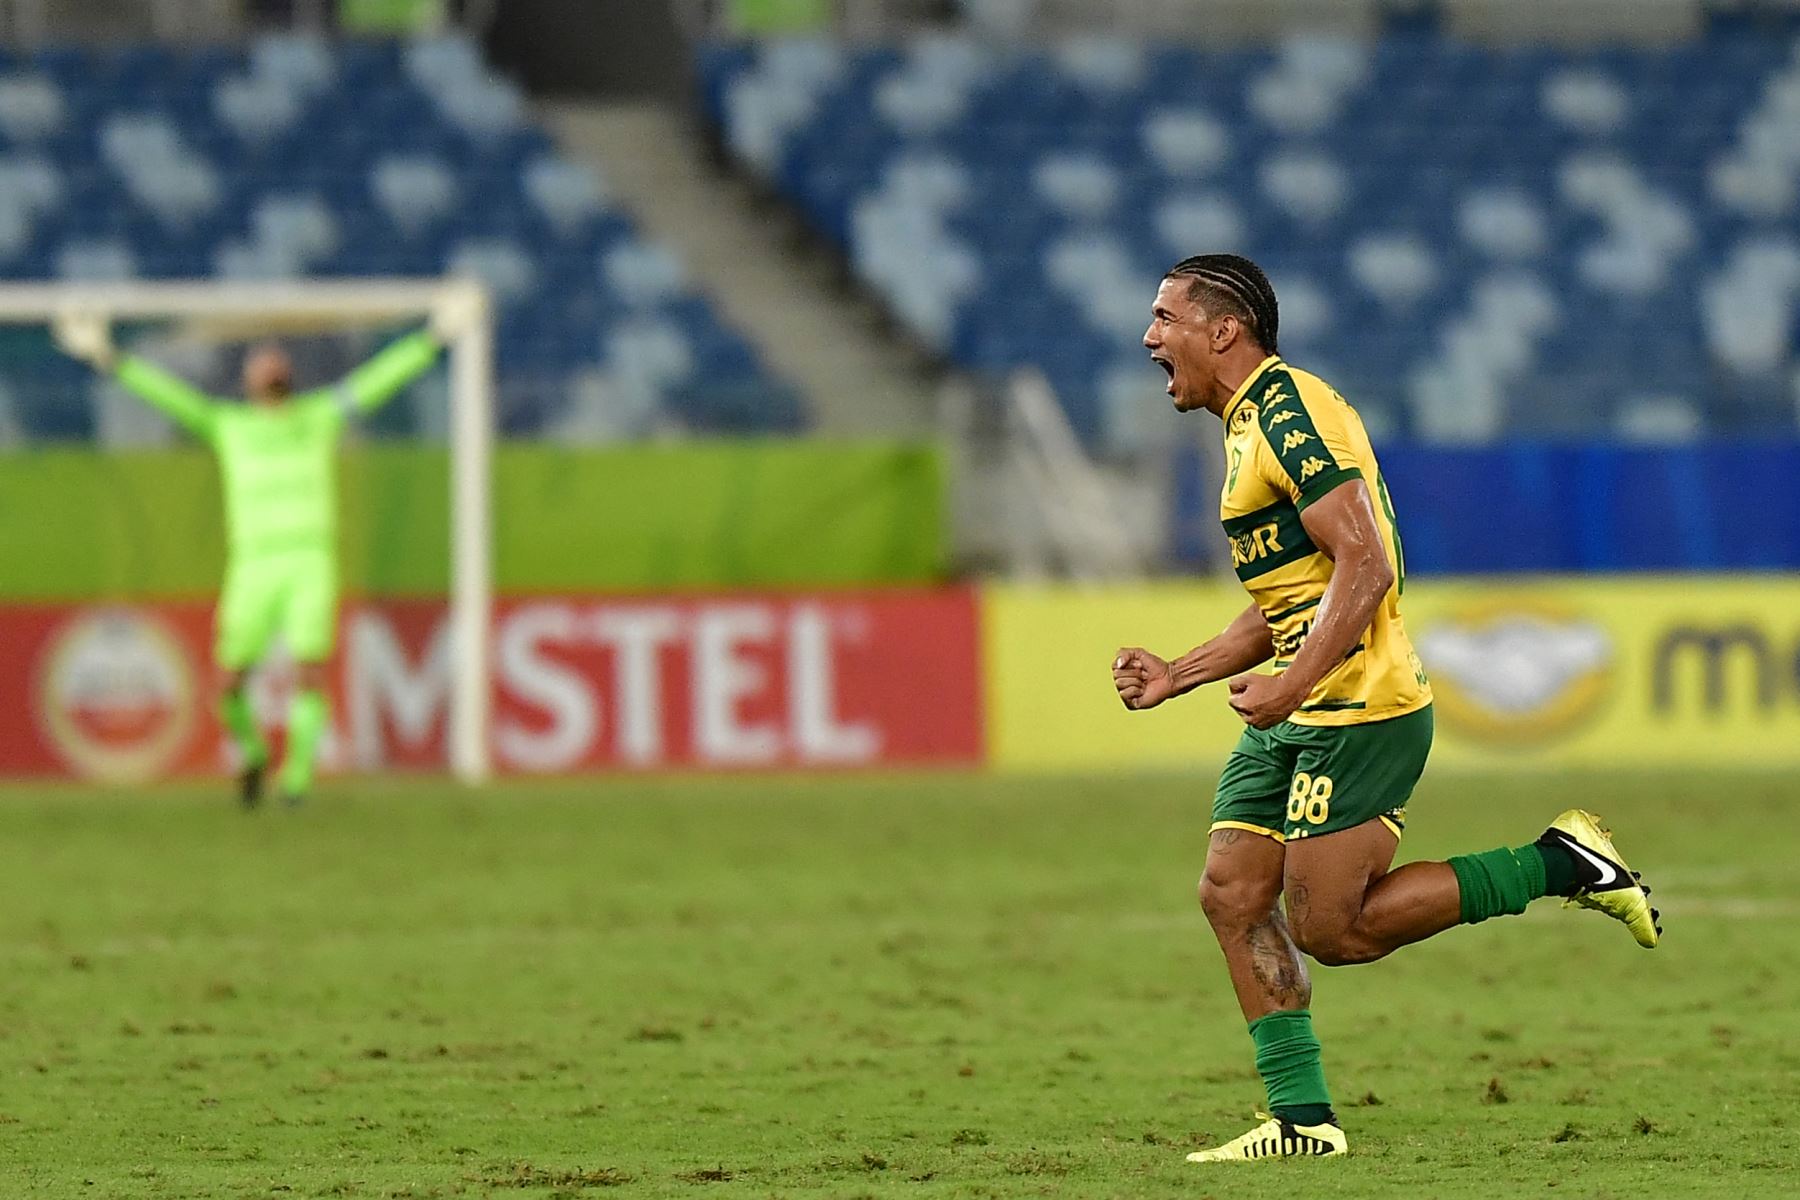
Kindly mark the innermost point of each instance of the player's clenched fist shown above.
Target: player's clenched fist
(1142, 679)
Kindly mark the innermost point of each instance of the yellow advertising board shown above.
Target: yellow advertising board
(1591, 672)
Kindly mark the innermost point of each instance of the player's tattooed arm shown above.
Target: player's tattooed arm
(1343, 525)
(1144, 680)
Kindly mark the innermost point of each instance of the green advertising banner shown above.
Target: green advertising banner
(81, 524)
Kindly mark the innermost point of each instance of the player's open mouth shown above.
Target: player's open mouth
(1167, 366)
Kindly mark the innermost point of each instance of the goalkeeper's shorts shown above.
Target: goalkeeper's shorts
(292, 594)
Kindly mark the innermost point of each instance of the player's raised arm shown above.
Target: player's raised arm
(1144, 680)
(1342, 524)
(384, 376)
(89, 339)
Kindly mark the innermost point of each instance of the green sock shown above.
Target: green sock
(1499, 882)
(306, 722)
(1559, 867)
(240, 723)
(1287, 1058)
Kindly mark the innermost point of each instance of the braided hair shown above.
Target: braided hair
(1231, 283)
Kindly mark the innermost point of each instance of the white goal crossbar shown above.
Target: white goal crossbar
(348, 302)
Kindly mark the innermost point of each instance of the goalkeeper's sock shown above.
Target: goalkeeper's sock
(1501, 882)
(306, 723)
(1287, 1058)
(240, 723)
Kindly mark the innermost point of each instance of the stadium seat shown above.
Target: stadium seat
(1433, 274)
(303, 158)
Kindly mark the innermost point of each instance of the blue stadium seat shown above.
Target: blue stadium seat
(1449, 224)
(303, 158)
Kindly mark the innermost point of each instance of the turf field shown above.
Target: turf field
(937, 986)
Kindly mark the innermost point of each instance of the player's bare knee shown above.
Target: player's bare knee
(1233, 903)
(1335, 943)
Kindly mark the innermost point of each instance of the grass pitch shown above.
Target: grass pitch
(932, 986)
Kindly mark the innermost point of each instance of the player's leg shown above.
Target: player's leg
(242, 625)
(310, 626)
(1345, 814)
(1239, 893)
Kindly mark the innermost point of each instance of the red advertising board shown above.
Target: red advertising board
(828, 680)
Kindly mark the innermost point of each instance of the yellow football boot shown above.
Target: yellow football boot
(1276, 1138)
(1606, 884)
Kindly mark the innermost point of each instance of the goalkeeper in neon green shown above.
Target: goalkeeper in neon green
(277, 464)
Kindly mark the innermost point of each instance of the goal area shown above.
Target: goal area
(210, 315)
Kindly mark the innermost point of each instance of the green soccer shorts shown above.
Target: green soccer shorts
(293, 594)
(1295, 781)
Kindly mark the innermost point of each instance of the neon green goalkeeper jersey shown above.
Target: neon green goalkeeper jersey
(278, 462)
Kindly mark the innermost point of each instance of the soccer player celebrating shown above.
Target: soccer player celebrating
(1312, 800)
(277, 462)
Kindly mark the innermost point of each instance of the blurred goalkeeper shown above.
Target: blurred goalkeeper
(277, 463)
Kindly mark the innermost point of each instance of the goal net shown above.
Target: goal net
(111, 700)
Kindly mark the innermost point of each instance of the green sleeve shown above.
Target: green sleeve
(182, 401)
(381, 378)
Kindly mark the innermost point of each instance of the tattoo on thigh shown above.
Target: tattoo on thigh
(1299, 897)
(1277, 963)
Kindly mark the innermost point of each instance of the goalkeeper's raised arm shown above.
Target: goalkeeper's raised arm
(387, 374)
(87, 337)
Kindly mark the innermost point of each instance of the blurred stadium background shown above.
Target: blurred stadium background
(791, 294)
(825, 439)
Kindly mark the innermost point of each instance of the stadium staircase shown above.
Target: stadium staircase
(857, 379)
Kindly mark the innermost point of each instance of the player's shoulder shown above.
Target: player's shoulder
(1287, 395)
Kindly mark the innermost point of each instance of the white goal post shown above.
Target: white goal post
(240, 306)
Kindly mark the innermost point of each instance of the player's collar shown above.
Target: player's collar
(1250, 381)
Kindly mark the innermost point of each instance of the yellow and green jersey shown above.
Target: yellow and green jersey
(1289, 440)
(278, 463)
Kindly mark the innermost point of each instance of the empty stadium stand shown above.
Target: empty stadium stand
(301, 158)
(1473, 242)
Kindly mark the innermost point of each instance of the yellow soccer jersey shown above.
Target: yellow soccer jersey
(1290, 439)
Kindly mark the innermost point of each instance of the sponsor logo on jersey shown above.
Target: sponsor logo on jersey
(1254, 544)
(1273, 394)
(1518, 671)
(1278, 418)
(116, 694)
(1311, 467)
(1294, 438)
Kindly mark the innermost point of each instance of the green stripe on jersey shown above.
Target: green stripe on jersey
(1285, 613)
(1267, 538)
(1294, 438)
(1322, 484)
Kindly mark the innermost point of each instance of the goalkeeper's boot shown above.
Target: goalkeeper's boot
(250, 783)
(1276, 1138)
(1604, 882)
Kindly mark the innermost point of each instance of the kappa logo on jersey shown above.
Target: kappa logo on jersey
(1272, 393)
(1294, 438)
(1311, 467)
(1518, 670)
(1289, 415)
(1256, 543)
(116, 695)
